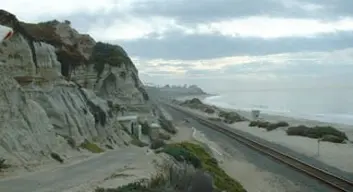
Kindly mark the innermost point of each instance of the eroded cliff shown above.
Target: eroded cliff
(58, 86)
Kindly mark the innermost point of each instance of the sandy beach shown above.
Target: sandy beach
(335, 155)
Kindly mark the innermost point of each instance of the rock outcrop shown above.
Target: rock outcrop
(57, 86)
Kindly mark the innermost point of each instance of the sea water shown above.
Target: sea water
(333, 105)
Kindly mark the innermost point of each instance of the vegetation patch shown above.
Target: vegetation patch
(326, 133)
(109, 146)
(268, 125)
(92, 147)
(231, 117)
(3, 164)
(158, 143)
(138, 143)
(200, 158)
(56, 157)
(167, 125)
(170, 177)
(215, 119)
(164, 136)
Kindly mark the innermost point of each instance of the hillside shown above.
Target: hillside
(175, 91)
(61, 89)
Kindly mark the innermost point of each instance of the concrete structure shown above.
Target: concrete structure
(255, 114)
(131, 123)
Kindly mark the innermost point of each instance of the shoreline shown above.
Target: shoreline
(337, 156)
(307, 117)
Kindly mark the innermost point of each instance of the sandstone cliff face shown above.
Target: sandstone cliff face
(52, 92)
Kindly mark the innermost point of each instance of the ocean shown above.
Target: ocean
(334, 105)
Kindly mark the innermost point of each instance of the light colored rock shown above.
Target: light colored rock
(40, 110)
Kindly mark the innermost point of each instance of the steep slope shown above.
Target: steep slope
(58, 88)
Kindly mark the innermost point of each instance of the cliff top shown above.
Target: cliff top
(72, 48)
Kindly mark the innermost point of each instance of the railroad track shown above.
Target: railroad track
(336, 182)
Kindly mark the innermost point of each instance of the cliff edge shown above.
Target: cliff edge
(60, 88)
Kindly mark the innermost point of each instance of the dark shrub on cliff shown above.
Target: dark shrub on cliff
(158, 143)
(3, 165)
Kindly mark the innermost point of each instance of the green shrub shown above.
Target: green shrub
(158, 143)
(317, 132)
(145, 128)
(138, 143)
(231, 117)
(196, 154)
(164, 136)
(267, 125)
(215, 119)
(332, 138)
(253, 123)
(92, 147)
(56, 157)
(169, 178)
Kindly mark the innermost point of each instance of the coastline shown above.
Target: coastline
(332, 154)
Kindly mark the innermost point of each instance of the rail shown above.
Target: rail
(336, 182)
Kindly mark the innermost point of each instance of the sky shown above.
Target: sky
(217, 44)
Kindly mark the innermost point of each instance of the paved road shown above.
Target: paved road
(238, 150)
(66, 178)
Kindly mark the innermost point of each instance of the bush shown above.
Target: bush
(138, 143)
(3, 165)
(317, 132)
(145, 128)
(215, 119)
(197, 155)
(267, 125)
(167, 125)
(109, 146)
(157, 144)
(92, 147)
(333, 139)
(169, 177)
(164, 136)
(57, 157)
(231, 117)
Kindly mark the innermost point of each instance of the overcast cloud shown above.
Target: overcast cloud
(203, 41)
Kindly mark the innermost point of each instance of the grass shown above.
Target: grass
(326, 133)
(268, 125)
(56, 157)
(200, 158)
(92, 147)
(170, 177)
